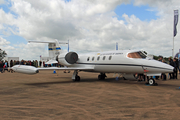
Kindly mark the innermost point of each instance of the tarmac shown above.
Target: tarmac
(48, 96)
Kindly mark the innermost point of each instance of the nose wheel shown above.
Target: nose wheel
(152, 82)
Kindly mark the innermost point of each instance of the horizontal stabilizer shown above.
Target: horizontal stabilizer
(33, 41)
(51, 62)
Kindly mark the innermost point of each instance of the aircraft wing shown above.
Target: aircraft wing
(67, 68)
(33, 70)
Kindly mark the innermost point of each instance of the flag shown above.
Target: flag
(175, 21)
(116, 46)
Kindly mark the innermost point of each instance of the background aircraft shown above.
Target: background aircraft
(126, 62)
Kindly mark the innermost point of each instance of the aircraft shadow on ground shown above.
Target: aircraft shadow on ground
(59, 82)
(110, 80)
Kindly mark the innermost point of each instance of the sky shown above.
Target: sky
(89, 25)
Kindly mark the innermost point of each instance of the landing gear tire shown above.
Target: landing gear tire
(101, 76)
(152, 82)
(77, 78)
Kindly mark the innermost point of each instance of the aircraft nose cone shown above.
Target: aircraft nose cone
(168, 68)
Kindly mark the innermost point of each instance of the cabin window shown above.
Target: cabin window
(104, 57)
(110, 57)
(88, 58)
(98, 57)
(136, 55)
(92, 58)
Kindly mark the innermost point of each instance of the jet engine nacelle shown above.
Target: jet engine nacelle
(25, 69)
(68, 59)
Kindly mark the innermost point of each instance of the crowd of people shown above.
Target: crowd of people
(175, 64)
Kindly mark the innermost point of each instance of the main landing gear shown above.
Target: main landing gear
(102, 76)
(75, 76)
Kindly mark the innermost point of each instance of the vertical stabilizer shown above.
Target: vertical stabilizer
(53, 47)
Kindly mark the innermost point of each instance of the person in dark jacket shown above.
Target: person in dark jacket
(11, 65)
(175, 68)
(177, 63)
(172, 64)
(1, 66)
(163, 75)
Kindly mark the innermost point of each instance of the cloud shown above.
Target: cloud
(2, 2)
(90, 25)
(165, 7)
(3, 42)
(28, 51)
(5, 45)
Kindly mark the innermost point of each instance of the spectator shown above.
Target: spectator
(36, 63)
(177, 64)
(17, 63)
(32, 63)
(6, 65)
(40, 63)
(11, 65)
(163, 75)
(175, 68)
(22, 62)
(160, 58)
(172, 64)
(141, 77)
(1, 66)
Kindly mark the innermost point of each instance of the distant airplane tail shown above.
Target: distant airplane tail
(53, 47)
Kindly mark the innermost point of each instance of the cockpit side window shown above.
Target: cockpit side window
(136, 55)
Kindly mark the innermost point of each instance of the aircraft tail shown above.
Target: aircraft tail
(53, 47)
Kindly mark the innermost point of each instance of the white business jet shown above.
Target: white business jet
(126, 62)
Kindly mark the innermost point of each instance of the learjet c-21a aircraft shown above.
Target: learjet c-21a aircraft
(126, 62)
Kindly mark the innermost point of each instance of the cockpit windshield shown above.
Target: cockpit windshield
(136, 55)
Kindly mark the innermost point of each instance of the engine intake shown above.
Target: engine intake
(71, 57)
(68, 59)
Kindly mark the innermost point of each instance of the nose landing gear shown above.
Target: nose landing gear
(152, 82)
